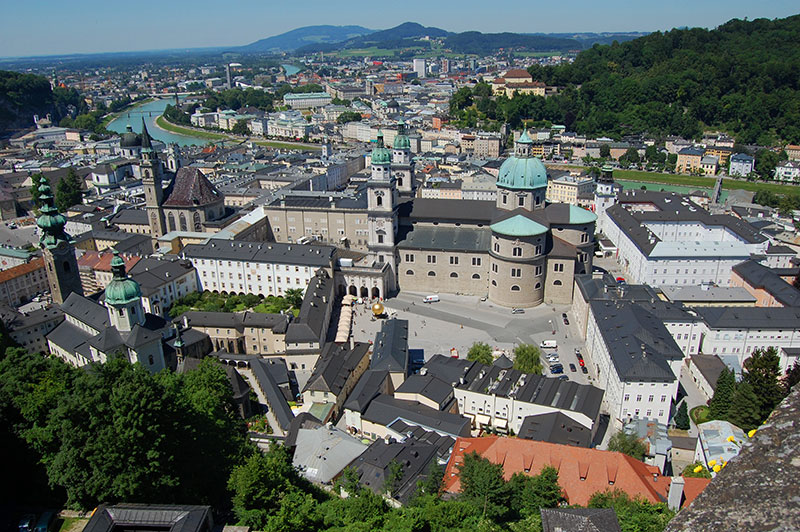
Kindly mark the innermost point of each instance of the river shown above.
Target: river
(150, 111)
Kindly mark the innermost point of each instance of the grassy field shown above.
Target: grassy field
(700, 414)
(72, 524)
(164, 124)
(704, 182)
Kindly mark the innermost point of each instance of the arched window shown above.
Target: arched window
(150, 359)
(453, 274)
(537, 286)
(557, 283)
(517, 252)
(409, 272)
(476, 276)
(431, 274)
(494, 283)
(379, 200)
(515, 288)
(399, 181)
(182, 219)
(198, 225)
(67, 267)
(171, 221)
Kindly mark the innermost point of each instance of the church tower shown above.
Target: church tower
(123, 298)
(57, 249)
(402, 165)
(152, 176)
(605, 194)
(382, 203)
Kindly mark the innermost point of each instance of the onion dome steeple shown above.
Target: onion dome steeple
(122, 289)
(50, 221)
(380, 154)
(401, 141)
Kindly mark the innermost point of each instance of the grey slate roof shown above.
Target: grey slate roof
(452, 210)
(390, 350)
(607, 288)
(385, 410)
(237, 320)
(334, 367)
(262, 252)
(759, 276)
(174, 518)
(428, 386)
(710, 366)
(322, 452)
(310, 324)
(152, 274)
(770, 318)
(87, 311)
(130, 216)
(371, 384)
(414, 457)
(445, 238)
(69, 337)
(555, 427)
(272, 392)
(579, 520)
(639, 344)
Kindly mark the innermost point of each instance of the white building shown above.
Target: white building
(634, 358)
(419, 68)
(741, 165)
(665, 239)
(788, 171)
(307, 100)
(268, 268)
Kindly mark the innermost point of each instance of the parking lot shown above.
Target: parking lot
(455, 322)
(20, 237)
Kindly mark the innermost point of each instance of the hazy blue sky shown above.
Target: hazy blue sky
(37, 27)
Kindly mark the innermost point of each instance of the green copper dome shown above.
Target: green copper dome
(401, 141)
(524, 138)
(380, 154)
(122, 289)
(522, 173)
(50, 221)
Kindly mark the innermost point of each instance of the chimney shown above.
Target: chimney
(675, 496)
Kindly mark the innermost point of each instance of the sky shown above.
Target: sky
(55, 27)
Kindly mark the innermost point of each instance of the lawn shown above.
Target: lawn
(703, 182)
(72, 524)
(700, 414)
(169, 126)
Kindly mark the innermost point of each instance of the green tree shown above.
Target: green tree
(531, 493)
(483, 485)
(348, 116)
(720, 402)
(605, 150)
(528, 359)
(632, 155)
(628, 444)
(241, 128)
(68, 191)
(480, 352)
(745, 410)
(766, 161)
(432, 483)
(393, 479)
(762, 371)
(791, 378)
(634, 515)
(682, 417)
(294, 296)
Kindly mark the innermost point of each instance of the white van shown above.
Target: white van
(548, 344)
(431, 299)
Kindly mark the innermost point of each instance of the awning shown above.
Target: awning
(500, 423)
(483, 419)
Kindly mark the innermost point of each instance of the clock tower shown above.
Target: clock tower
(382, 209)
(57, 249)
(152, 177)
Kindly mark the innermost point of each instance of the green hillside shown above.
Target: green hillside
(742, 77)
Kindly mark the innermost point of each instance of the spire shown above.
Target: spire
(51, 222)
(118, 266)
(147, 143)
(178, 340)
(524, 138)
(380, 138)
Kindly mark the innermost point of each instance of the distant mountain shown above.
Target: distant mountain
(475, 42)
(398, 37)
(307, 35)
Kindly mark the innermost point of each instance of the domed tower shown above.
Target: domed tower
(402, 165)
(522, 180)
(382, 208)
(57, 249)
(123, 298)
(517, 256)
(130, 144)
(605, 194)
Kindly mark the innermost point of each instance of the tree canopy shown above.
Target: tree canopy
(480, 352)
(629, 444)
(69, 191)
(528, 359)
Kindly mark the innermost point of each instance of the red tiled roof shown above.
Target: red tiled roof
(102, 261)
(581, 472)
(693, 487)
(22, 269)
(517, 73)
(191, 188)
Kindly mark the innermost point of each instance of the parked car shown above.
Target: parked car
(548, 344)
(45, 522)
(572, 368)
(517, 311)
(584, 370)
(564, 317)
(556, 369)
(431, 299)
(563, 378)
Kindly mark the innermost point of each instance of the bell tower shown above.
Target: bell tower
(402, 165)
(152, 176)
(382, 208)
(57, 249)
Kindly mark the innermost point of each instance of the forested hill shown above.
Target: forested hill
(24, 95)
(743, 77)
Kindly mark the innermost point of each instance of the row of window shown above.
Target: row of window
(431, 259)
(649, 398)
(453, 275)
